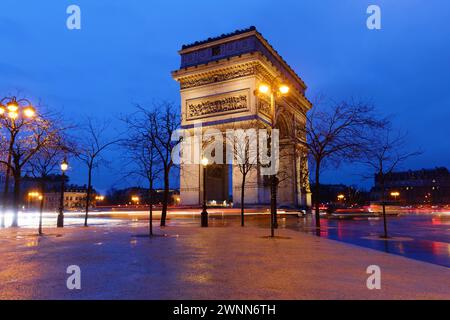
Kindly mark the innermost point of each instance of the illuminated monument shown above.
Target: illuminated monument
(219, 81)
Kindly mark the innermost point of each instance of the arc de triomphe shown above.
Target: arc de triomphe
(219, 78)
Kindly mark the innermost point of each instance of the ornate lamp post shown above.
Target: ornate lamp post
(60, 222)
(204, 213)
(13, 113)
(273, 91)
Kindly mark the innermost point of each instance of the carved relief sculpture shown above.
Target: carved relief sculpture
(217, 105)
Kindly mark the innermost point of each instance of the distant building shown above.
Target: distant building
(340, 194)
(140, 196)
(31, 194)
(74, 195)
(426, 186)
(74, 198)
(30, 188)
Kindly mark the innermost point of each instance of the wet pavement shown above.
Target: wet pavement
(189, 262)
(422, 236)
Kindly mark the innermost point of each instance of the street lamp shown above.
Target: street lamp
(29, 112)
(135, 199)
(33, 195)
(64, 167)
(284, 89)
(395, 194)
(204, 214)
(12, 109)
(273, 91)
(264, 88)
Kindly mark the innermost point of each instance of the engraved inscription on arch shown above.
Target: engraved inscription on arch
(216, 105)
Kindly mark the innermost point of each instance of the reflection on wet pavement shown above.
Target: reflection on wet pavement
(424, 237)
(32, 243)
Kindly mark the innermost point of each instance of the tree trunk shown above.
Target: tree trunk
(273, 204)
(7, 177)
(150, 223)
(275, 211)
(317, 195)
(16, 199)
(242, 199)
(165, 198)
(383, 203)
(2, 214)
(41, 205)
(5, 201)
(88, 196)
(6, 188)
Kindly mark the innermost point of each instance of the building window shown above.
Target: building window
(215, 50)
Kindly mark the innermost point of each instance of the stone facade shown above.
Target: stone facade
(218, 80)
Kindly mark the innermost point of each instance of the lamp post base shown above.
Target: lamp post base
(204, 218)
(60, 221)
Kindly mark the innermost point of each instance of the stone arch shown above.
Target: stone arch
(284, 125)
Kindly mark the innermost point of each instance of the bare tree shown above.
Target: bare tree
(12, 128)
(93, 142)
(165, 121)
(3, 168)
(25, 143)
(384, 152)
(334, 134)
(46, 161)
(142, 156)
(243, 142)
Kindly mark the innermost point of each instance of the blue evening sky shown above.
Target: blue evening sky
(125, 52)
